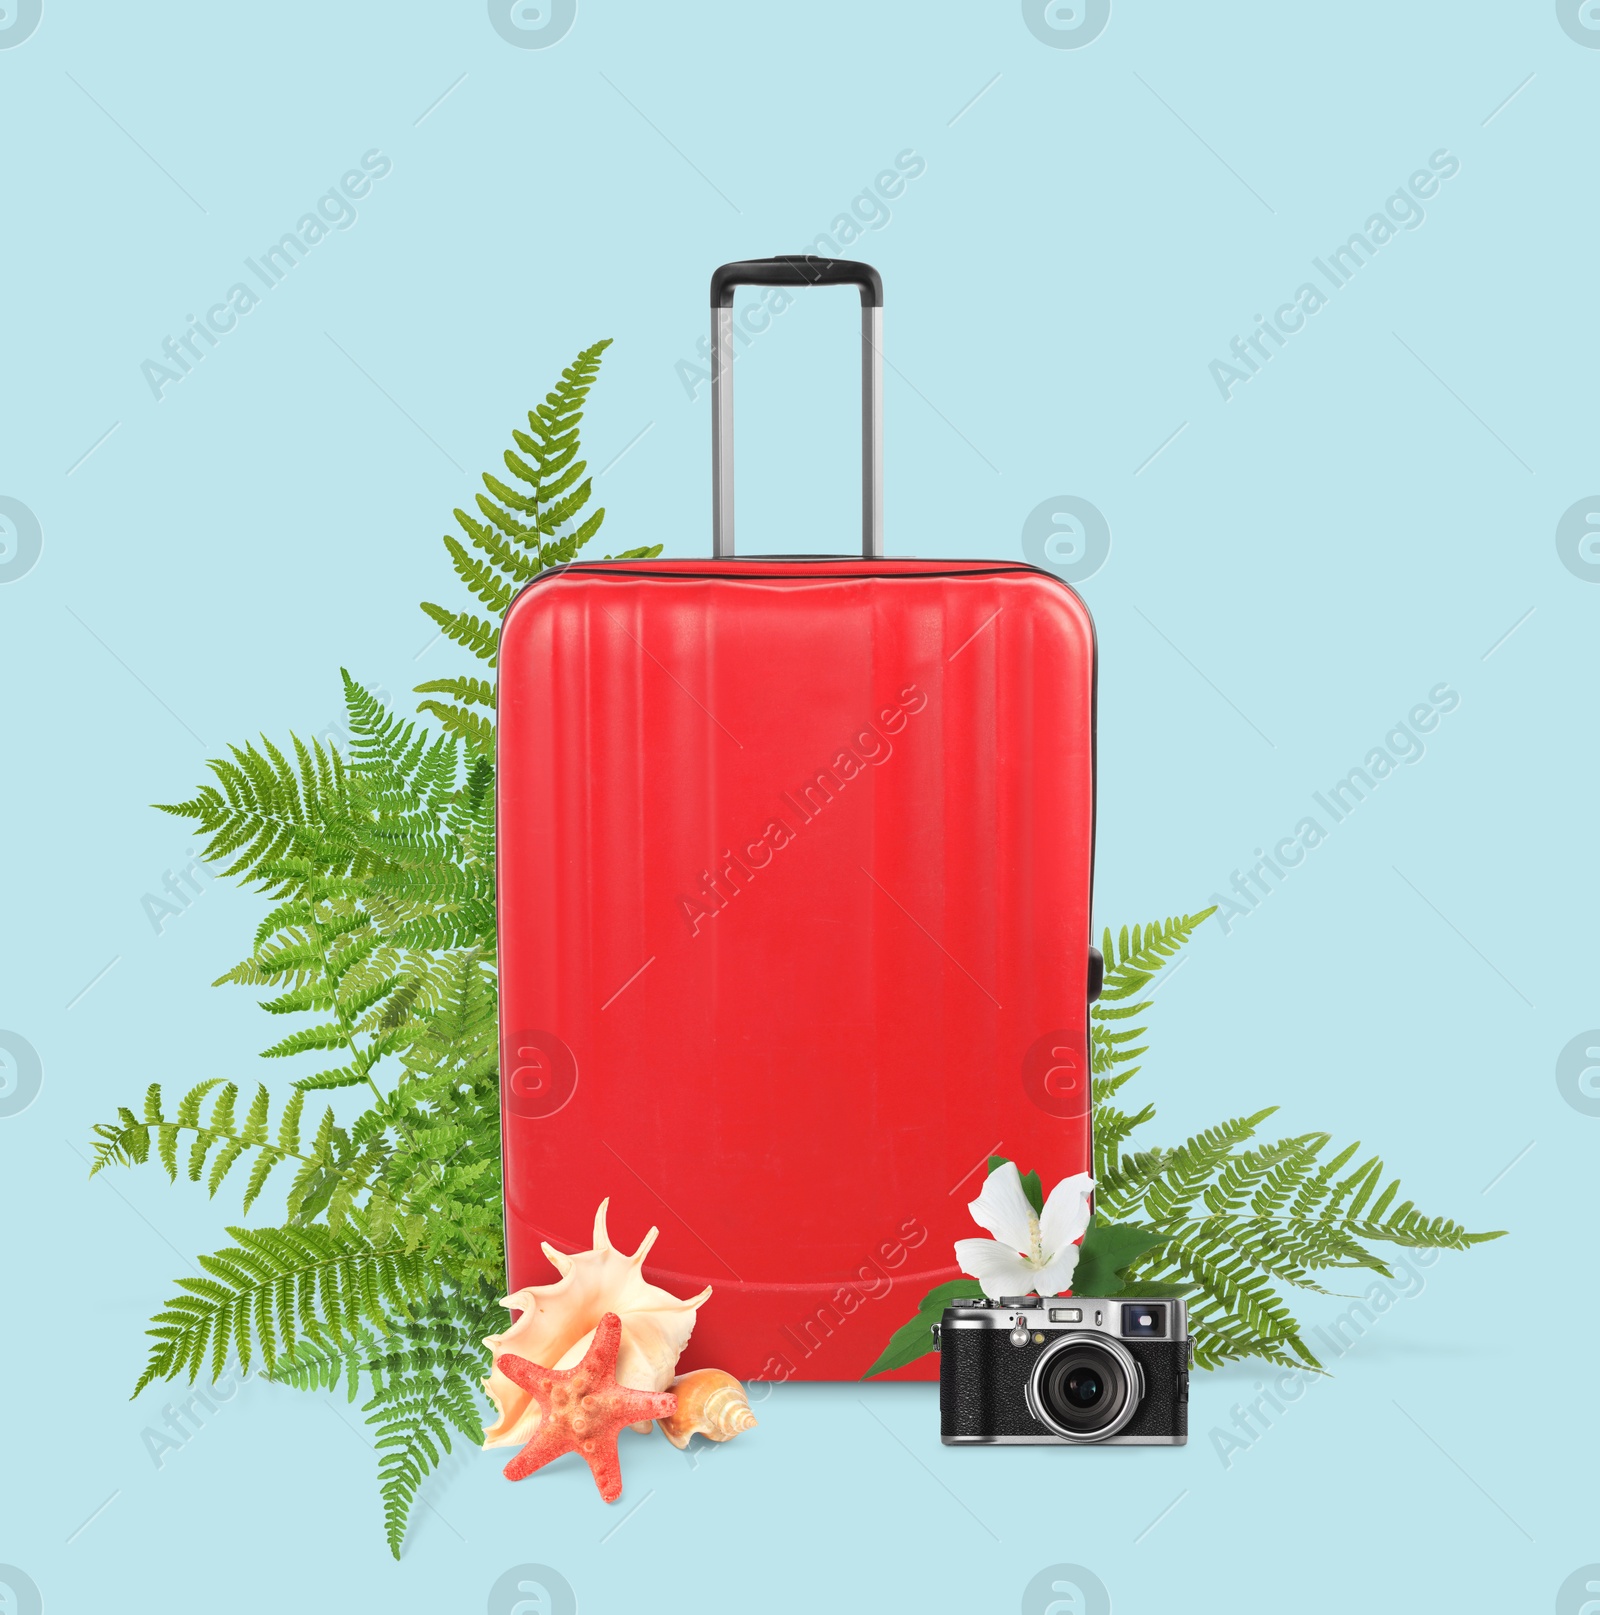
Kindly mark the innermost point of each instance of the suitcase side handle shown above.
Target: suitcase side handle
(796, 270)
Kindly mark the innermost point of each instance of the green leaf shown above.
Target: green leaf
(914, 1338)
(1107, 1249)
(507, 548)
(1030, 1184)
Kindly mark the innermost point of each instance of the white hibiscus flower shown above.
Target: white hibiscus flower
(1029, 1254)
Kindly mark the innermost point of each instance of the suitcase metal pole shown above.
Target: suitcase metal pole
(796, 271)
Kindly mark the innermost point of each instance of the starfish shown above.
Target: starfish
(584, 1409)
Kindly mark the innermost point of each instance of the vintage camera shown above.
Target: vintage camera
(1064, 1371)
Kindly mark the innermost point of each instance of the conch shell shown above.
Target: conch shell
(710, 1403)
(559, 1320)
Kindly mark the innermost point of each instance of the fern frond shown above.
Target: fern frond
(272, 1283)
(315, 1362)
(472, 727)
(471, 691)
(264, 807)
(128, 1140)
(425, 1387)
(508, 547)
(1132, 959)
(483, 578)
(1234, 1219)
(1407, 1226)
(478, 635)
(1187, 1169)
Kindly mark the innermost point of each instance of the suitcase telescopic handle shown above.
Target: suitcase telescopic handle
(796, 270)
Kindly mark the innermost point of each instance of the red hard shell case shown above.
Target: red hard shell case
(795, 861)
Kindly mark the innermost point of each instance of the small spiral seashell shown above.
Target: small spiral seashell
(710, 1403)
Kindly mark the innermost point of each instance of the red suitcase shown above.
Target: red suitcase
(795, 861)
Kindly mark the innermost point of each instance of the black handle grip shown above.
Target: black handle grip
(799, 269)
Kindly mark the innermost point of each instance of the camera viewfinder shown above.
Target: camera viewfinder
(1144, 1320)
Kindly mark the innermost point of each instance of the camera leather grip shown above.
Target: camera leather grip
(966, 1395)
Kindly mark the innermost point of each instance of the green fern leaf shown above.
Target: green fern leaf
(478, 635)
(256, 1288)
(471, 691)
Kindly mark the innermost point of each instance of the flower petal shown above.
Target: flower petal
(1003, 1209)
(1066, 1214)
(999, 1271)
(1055, 1276)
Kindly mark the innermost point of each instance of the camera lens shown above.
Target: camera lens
(1085, 1389)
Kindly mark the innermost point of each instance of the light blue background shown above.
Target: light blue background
(1366, 518)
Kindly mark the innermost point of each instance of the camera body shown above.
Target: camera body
(1064, 1371)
